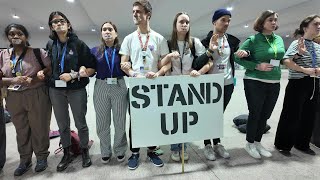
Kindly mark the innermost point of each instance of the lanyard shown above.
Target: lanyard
(313, 55)
(15, 61)
(181, 55)
(64, 50)
(143, 47)
(273, 46)
(112, 60)
(222, 46)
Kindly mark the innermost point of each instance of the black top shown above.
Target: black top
(77, 54)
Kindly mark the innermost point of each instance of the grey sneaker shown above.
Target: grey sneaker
(221, 151)
(252, 150)
(209, 153)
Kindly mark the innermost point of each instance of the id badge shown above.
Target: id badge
(112, 81)
(60, 83)
(14, 87)
(275, 62)
(222, 67)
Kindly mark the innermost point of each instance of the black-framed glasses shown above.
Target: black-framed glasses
(56, 21)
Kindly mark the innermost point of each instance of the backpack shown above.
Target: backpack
(75, 148)
(193, 48)
(37, 53)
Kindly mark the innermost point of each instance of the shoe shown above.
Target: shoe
(186, 156)
(175, 156)
(155, 159)
(23, 168)
(105, 160)
(252, 150)
(66, 160)
(262, 151)
(307, 151)
(41, 165)
(54, 134)
(284, 152)
(209, 153)
(133, 161)
(86, 161)
(121, 158)
(221, 151)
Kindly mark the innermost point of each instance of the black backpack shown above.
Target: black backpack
(193, 49)
(37, 53)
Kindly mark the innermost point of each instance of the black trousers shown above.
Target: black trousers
(227, 93)
(315, 139)
(2, 138)
(261, 99)
(297, 117)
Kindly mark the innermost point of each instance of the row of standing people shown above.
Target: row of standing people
(69, 63)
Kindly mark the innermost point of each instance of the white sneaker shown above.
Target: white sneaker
(209, 153)
(105, 160)
(252, 150)
(262, 150)
(175, 156)
(219, 149)
(186, 156)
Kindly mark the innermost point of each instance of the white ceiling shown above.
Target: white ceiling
(87, 14)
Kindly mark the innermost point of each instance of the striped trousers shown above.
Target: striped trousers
(107, 98)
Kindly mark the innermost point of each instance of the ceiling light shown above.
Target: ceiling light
(15, 16)
(93, 30)
(70, 1)
(229, 8)
(41, 27)
(246, 26)
(287, 35)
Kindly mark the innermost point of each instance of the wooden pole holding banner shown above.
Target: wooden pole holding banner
(182, 157)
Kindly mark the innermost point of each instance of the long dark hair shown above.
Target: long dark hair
(53, 35)
(305, 23)
(116, 40)
(174, 34)
(17, 26)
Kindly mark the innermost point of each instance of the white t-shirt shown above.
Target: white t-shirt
(222, 63)
(187, 57)
(157, 47)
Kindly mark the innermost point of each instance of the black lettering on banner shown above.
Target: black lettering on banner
(219, 89)
(192, 90)
(185, 124)
(137, 95)
(164, 124)
(177, 89)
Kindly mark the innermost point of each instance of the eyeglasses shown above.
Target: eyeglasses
(56, 21)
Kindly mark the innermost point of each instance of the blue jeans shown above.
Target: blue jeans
(178, 147)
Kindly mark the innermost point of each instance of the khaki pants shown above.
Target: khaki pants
(30, 112)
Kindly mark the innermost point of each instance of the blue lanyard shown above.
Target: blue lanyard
(112, 60)
(64, 50)
(19, 60)
(313, 55)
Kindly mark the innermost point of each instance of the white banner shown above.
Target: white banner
(175, 109)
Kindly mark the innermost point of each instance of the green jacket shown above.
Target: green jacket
(262, 51)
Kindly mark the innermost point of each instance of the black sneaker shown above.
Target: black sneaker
(41, 165)
(105, 160)
(23, 168)
(284, 152)
(307, 151)
(121, 158)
